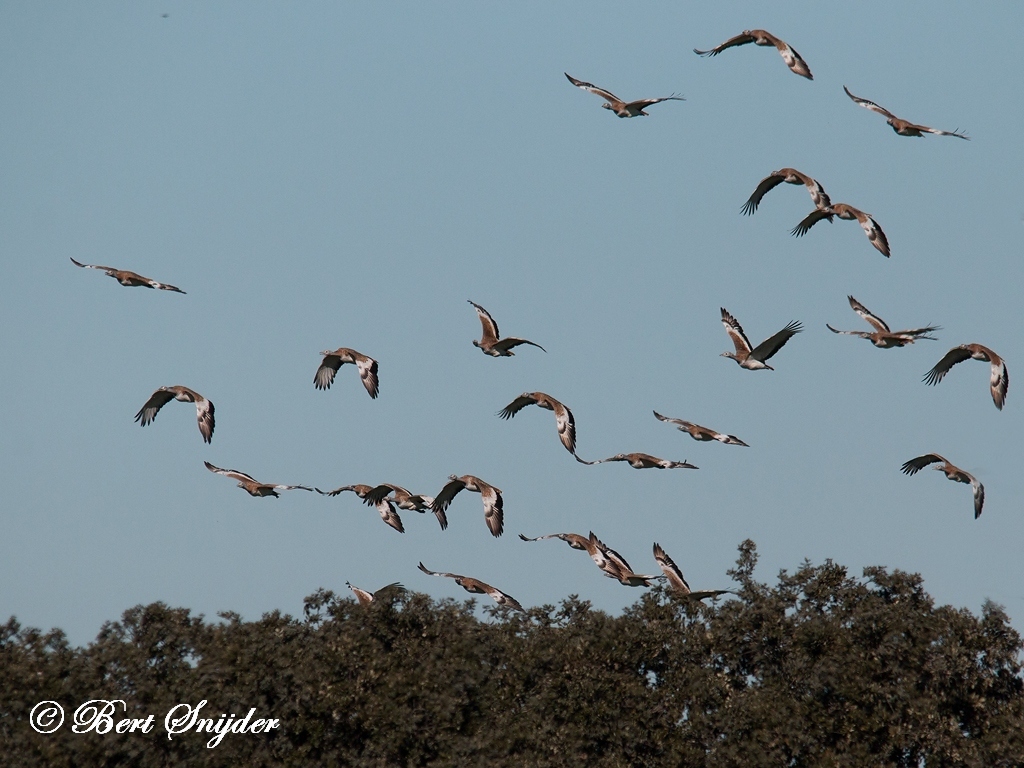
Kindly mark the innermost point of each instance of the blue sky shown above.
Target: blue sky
(349, 175)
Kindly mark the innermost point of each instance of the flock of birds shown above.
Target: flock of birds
(388, 498)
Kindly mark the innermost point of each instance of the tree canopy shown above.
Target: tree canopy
(822, 668)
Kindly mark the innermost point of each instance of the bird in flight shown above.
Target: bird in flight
(491, 496)
(788, 176)
(491, 342)
(617, 105)
(577, 541)
(882, 337)
(754, 358)
(642, 461)
(402, 498)
(848, 212)
(131, 279)
(384, 507)
(697, 432)
(334, 360)
(616, 567)
(676, 580)
(365, 598)
(902, 127)
(252, 486)
(999, 377)
(563, 416)
(477, 587)
(952, 472)
(164, 395)
(759, 37)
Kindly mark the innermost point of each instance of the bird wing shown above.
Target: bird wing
(732, 42)
(870, 105)
(204, 416)
(429, 572)
(640, 104)
(444, 499)
(490, 328)
(793, 59)
(766, 184)
(706, 593)
(979, 496)
(811, 219)
(684, 425)
(913, 466)
(392, 587)
(503, 345)
(818, 194)
(767, 348)
(937, 132)
(864, 312)
(368, 373)
(378, 493)
(325, 373)
(162, 286)
(671, 570)
(566, 425)
(92, 266)
(614, 557)
(502, 598)
(951, 358)
(362, 596)
(289, 487)
(510, 410)
(999, 379)
(493, 514)
(735, 331)
(667, 464)
(611, 97)
(874, 233)
(861, 334)
(234, 474)
(389, 515)
(156, 401)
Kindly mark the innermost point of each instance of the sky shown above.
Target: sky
(341, 174)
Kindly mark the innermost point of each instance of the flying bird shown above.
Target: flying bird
(403, 499)
(384, 507)
(676, 580)
(788, 176)
(642, 461)
(491, 496)
(882, 337)
(577, 541)
(697, 432)
(759, 37)
(131, 279)
(617, 568)
(491, 342)
(164, 395)
(754, 358)
(999, 377)
(477, 587)
(902, 127)
(563, 416)
(365, 598)
(848, 212)
(617, 105)
(952, 472)
(334, 360)
(252, 486)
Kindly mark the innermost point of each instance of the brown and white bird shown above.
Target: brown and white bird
(787, 176)
(617, 568)
(403, 499)
(252, 486)
(759, 37)
(164, 395)
(617, 105)
(676, 580)
(902, 127)
(954, 473)
(477, 587)
(577, 541)
(365, 598)
(697, 432)
(491, 496)
(384, 507)
(999, 377)
(882, 337)
(131, 279)
(642, 461)
(334, 360)
(849, 213)
(491, 342)
(563, 416)
(754, 358)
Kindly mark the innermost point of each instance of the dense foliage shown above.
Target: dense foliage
(821, 669)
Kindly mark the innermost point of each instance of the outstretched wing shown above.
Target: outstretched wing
(493, 513)
(810, 220)
(156, 401)
(671, 570)
(593, 89)
(429, 572)
(766, 184)
(735, 331)
(511, 341)
(517, 405)
(324, 376)
(91, 266)
(732, 42)
(767, 348)
(793, 59)
(444, 499)
(875, 234)
(490, 328)
(913, 466)
(234, 474)
(951, 358)
(870, 105)
(979, 496)
(368, 373)
(860, 309)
